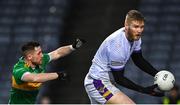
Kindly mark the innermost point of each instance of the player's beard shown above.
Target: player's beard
(137, 37)
(132, 36)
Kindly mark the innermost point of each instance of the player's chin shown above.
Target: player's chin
(137, 38)
(40, 62)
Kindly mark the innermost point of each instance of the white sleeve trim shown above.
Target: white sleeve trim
(71, 47)
(50, 58)
(24, 75)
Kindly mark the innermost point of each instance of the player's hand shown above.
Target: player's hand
(153, 91)
(78, 43)
(63, 75)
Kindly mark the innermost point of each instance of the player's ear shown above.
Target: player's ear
(126, 25)
(29, 56)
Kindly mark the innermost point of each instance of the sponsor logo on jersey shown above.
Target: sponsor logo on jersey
(116, 63)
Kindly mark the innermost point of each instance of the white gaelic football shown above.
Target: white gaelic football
(165, 80)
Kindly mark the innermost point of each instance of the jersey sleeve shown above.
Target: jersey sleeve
(138, 46)
(18, 73)
(46, 59)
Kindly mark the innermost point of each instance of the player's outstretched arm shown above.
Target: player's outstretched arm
(144, 65)
(65, 50)
(43, 77)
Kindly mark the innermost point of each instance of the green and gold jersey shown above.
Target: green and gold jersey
(25, 92)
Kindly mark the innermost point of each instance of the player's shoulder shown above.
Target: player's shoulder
(46, 55)
(117, 34)
(20, 65)
(46, 58)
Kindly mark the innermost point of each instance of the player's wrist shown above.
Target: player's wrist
(62, 75)
(72, 48)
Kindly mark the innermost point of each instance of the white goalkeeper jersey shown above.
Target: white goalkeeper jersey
(113, 54)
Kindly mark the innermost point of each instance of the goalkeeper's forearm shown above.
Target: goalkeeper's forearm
(123, 81)
(129, 84)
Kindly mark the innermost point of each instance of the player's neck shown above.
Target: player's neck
(29, 63)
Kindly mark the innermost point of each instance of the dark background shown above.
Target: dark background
(55, 23)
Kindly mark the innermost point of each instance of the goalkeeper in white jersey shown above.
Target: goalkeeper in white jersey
(107, 69)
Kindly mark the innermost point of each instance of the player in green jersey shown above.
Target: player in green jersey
(28, 73)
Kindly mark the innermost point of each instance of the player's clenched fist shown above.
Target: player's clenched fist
(62, 75)
(78, 43)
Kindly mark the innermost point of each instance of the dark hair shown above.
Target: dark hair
(134, 15)
(29, 46)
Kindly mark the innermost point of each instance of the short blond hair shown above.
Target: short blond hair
(134, 15)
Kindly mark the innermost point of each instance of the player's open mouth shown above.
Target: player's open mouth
(138, 35)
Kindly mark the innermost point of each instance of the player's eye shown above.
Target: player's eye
(142, 26)
(136, 26)
(39, 53)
